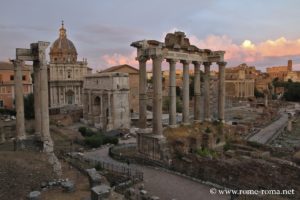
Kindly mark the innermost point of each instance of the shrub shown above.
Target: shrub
(86, 132)
(94, 141)
(207, 130)
(82, 130)
(110, 140)
(227, 146)
(98, 167)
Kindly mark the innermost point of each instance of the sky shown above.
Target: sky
(260, 33)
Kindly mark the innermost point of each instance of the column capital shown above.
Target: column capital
(142, 58)
(207, 64)
(185, 62)
(157, 57)
(222, 63)
(16, 62)
(196, 63)
(172, 61)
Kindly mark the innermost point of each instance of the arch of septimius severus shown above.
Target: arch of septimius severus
(37, 54)
(176, 48)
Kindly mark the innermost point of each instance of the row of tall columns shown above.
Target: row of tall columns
(207, 91)
(142, 92)
(44, 99)
(40, 95)
(37, 106)
(185, 93)
(197, 91)
(172, 93)
(221, 97)
(244, 89)
(157, 92)
(19, 100)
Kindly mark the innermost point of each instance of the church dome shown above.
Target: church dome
(63, 49)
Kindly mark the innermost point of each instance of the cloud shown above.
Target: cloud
(248, 51)
(119, 59)
(262, 54)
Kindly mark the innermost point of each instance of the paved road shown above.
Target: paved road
(163, 184)
(270, 131)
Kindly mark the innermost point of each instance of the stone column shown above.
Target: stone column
(19, 100)
(186, 93)
(48, 143)
(207, 91)
(37, 105)
(172, 93)
(221, 97)
(157, 94)
(197, 90)
(142, 91)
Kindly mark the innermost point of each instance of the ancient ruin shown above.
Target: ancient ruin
(176, 48)
(37, 54)
(106, 101)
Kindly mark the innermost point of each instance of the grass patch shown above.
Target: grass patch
(205, 152)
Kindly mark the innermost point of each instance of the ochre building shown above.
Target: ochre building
(7, 91)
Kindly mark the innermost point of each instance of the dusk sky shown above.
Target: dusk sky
(256, 32)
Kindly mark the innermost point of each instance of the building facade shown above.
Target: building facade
(105, 97)
(7, 91)
(133, 84)
(240, 81)
(280, 72)
(65, 73)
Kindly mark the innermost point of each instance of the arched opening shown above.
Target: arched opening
(97, 109)
(70, 97)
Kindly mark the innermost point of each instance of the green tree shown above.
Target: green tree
(29, 106)
(257, 93)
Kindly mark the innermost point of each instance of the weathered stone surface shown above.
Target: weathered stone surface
(34, 195)
(94, 177)
(68, 186)
(296, 157)
(100, 192)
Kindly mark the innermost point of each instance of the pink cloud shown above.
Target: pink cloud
(247, 51)
(119, 59)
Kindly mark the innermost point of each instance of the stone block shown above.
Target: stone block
(100, 192)
(68, 186)
(94, 177)
(34, 195)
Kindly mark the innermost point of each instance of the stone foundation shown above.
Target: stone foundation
(150, 145)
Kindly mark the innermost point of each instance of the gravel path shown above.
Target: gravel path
(163, 184)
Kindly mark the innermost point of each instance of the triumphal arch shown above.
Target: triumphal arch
(176, 48)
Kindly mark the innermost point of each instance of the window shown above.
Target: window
(24, 78)
(0, 77)
(11, 77)
(69, 74)
(1, 104)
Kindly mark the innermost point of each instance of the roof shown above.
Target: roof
(118, 67)
(108, 74)
(9, 66)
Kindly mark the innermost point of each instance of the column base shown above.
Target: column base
(207, 119)
(173, 126)
(151, 146)
(197, 121)
(185, 123)
(222, 121)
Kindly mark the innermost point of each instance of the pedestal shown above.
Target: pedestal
(151, 146)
